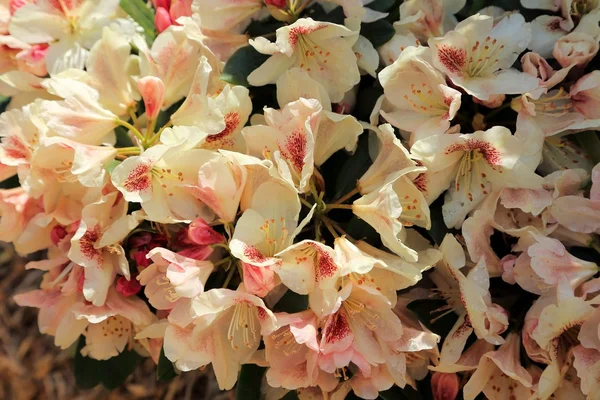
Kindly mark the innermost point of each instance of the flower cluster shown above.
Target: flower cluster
(301, 185)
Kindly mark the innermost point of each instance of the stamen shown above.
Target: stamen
(243, 322)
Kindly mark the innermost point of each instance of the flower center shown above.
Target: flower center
(362, 314)
(422, 99)
(484, 57)
(243, 326)
(276, 235)
(286, 342)
(555, 104)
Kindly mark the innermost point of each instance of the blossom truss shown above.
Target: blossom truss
(298, 185)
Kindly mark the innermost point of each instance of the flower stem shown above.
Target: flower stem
(348, 195)
(330, 227)
(232, 270)
(338, 206)
(306, 203)
(132, 128)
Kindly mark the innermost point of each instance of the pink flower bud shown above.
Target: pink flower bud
(128, 287)
(199, 253)
(152, 90)
(140, 259)
(444, 386)
(162, 3)
(201, 233)
(180, 8)
(276, 3)
(162, 19)
(57, 234)
(258, 280)
(494, 101)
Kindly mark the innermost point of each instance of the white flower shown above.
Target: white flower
(478, 54)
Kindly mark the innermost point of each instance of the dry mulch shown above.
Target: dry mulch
(31, 367)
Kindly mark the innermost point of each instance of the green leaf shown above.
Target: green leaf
(110, 373)
(241, 64)
(4, 103)
(381, 5)
(164, 370)
(379, 32)
(249, 381)
(142, 14)
(123, 139)
(590, 143)
(291, 303)
(360, 230)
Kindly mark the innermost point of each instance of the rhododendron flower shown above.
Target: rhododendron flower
(425, 106)
(226, 15)
(426, 19)
(96, 245)
(468, 296)
(474, 165)
(73, 27)
(226, 331)
(172, 277)
(322, 49)
(477, 55)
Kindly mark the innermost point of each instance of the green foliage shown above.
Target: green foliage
(165, 370)
(109, 373)
(142, 14)
(291, 303)
(241, 64)
(379, 32)
(590, 143)
(249, 381)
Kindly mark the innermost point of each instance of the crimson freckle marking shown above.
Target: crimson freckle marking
(87, 241)
(295, 149)
(454, 59)
(491, 155)
(232, 121)
(138, 179)
(296, 31)
(338, 329)
(254, 254)
(326, 267)
(14, 148)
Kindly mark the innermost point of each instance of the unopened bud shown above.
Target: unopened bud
(128, 287)
(203, 234)
(162, 19)
(444, 386)
(57, 233)
(276, 3)
(152, 90)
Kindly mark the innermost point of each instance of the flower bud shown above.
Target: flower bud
(57, 233)
(162, 19)
(279, 10)
(276, 3)
(128, 287)
(203, 234)
(575, 48)
(33, 59)
(152, 90)
(199, 253)
(444, 386)
(258, 280)
(166, 4)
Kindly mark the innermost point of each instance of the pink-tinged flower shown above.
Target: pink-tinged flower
(172, 277)
(548, 335)
(228, 181)
(578, 213)
(267, 227)
(97, 245)
(570, 10)
(354, 331)
(444, 386)
(468, 296)
(226, 331)
(21, 131)
(417, 98)
(71, 27)
(217, 109)
(546, 30)
(392, 160)
(173, 58)
(161, 177)
(322, 49)
(226, 15)
(500, 374)
(551, 262)
(468, 360)
(478, 54)
(288, 140)
(310, 267)
(17, 208)
(472, 166)
(587, 364)
(292, 351)
(427, 19)
(535, 65)
(33, 59)
(152, 90)
(391, 50)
